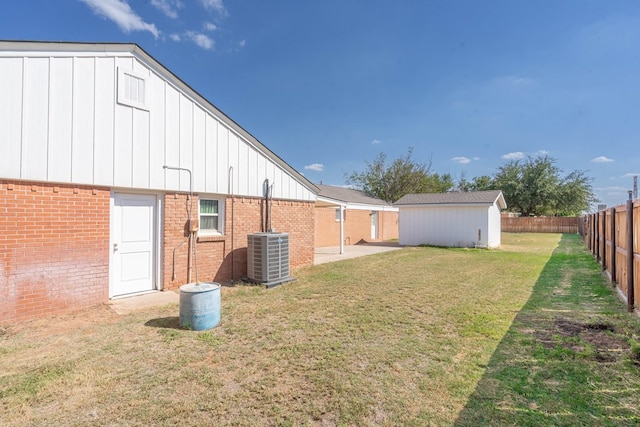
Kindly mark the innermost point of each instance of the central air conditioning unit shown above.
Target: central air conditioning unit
(268, 258)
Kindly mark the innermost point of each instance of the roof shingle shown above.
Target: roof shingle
(474, 197)
(348, 195)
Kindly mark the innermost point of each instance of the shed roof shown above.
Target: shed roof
(471, 198)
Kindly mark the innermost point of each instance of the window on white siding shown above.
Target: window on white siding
(211, 216)
(132, 89)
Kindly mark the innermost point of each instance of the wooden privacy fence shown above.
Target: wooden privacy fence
(613, 236)
(545, 224)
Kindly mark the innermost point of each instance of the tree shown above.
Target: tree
(390, 182)
(481, 183)
(574, 194)
(534, 187)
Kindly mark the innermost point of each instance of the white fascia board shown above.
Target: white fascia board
(366, 207)
(500, 201)
(446, 205)
(324, 201)
(355, 206)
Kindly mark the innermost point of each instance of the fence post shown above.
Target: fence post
(614, 245)
(604, 240)
(630, 290)
(593, 234)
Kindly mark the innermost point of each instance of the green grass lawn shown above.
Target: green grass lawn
(529, 334)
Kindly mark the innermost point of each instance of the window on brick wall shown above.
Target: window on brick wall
(211, 216)
(344, 214)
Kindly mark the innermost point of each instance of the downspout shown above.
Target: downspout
(192, 248)
(341, 229)
(232, 228)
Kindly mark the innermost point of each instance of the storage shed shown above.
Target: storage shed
(451, 219)
(116, 177)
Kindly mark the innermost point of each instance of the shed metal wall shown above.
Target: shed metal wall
(446, 225)
(61, 122)
(495, 227)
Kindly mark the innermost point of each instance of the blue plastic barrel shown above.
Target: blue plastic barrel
(200, 306)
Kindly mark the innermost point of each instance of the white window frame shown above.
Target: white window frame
(123, 75)
(220, 215)
(344, 214)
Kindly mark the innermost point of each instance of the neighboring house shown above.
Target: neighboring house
(89, 211)
(451, 219)
(345, 217)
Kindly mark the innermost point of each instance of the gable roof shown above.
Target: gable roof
(332, 195)
(44, 48)
(471, 198)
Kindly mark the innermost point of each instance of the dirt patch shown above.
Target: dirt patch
(580, 336)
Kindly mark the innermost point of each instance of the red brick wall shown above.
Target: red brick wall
(54, 243)
(216, 255)
(388, 225)
(357, 227)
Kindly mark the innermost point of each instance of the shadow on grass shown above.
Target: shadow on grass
(557, 364)
(164, 322)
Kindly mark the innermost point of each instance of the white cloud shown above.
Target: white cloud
(208, 26)
(376, 142)
(630, 175)
(202, 40)
(318, 167)
(242, 43)
(542, 152)
(175, 37)
(168, 7)
(461, 160)
(216, 6)
(517, 155)
(614, 189)
(121, 13)
(517, 81)
(601, 159)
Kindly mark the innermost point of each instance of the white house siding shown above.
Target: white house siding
(495, 227)
(61, 122)
(443, 225)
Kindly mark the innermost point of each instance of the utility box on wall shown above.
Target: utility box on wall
(268, 258)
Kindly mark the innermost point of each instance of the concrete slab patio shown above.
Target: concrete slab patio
(126, 305)
(332, 254)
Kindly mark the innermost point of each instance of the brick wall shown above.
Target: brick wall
(357, 227)
(389, 225)
(54, 242)
(216, 256)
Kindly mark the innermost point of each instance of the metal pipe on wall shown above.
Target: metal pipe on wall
(192, 248)
(232, 228)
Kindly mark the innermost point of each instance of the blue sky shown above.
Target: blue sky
(329, 84)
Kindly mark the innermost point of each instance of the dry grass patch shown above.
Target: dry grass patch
(400, 338)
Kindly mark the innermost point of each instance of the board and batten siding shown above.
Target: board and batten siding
(61, 122)
(444, 225)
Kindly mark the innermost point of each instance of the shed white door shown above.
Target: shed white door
(133, 243)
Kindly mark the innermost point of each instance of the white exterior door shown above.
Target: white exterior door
(374, 225)
(133, 244)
